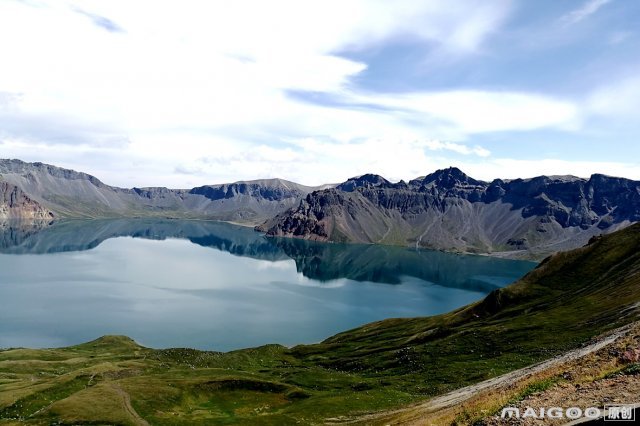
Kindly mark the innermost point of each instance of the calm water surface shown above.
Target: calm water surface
(212, 285)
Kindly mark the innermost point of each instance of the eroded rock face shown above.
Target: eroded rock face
(276, 191)
(15, 204)
(451, 211)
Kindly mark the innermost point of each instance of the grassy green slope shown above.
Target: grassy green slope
(568, 299)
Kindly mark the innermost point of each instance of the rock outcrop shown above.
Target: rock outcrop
(16, 205)
(448, 210)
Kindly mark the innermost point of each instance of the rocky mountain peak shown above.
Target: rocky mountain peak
(368, 180)
(268, 189)
(447, 178)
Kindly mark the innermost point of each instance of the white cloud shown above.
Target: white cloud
(325, 161)
(194, 92)
(508, 168)
(620, 99)
(483, 111)
(587, 9)
(316, 161)
(209, 67)
(436, 145)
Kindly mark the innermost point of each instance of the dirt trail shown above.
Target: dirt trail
(418, 411)
(126, 403)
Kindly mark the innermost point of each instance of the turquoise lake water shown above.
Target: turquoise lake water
(217, 286)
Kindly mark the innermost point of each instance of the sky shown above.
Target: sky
(187, 93)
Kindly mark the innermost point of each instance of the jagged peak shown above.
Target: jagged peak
(367, 180)
(448, 177)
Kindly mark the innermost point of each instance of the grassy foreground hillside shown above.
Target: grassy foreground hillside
(570, 298)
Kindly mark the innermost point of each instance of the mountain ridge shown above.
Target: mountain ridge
(71, 194)
(444, 210)
(448, 210)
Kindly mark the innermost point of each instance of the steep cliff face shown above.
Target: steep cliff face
(247, 201)
(451, 211)
(15, 204)
(267, 189)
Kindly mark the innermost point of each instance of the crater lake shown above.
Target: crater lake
(217, 286)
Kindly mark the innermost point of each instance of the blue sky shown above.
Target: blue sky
(187, 93)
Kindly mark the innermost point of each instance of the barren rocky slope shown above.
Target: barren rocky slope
(68, 193)
(448, 210)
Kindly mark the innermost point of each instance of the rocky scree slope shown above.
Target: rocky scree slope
(449, 210)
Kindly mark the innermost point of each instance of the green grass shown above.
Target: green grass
(628, 370)
(28, 406)
(567, 300)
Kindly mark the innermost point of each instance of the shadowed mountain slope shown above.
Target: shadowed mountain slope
(445, 210)
(448, 210)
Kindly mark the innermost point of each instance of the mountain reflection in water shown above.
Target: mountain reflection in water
(315, 260)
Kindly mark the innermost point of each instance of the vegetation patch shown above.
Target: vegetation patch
(562, 304)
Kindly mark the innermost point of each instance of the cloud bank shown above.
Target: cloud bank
(194, 92)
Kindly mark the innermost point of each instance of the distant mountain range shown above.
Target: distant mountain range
(62, 193)
(448, 210)
(445, 210)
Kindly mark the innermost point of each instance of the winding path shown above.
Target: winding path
(126, 403)
(416, 413)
